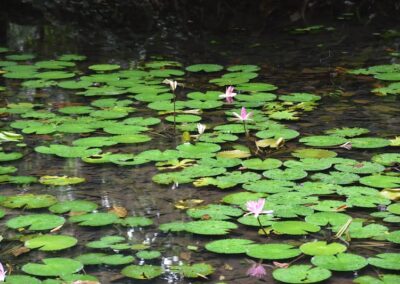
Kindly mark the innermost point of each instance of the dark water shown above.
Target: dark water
(295, 63)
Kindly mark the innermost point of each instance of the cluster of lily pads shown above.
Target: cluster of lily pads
(311, 191)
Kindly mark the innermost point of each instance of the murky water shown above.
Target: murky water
(298, 63)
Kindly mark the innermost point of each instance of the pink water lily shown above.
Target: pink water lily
(244, 115)
(256, 270)
(2, 273)
(256, 208)
(229, 94)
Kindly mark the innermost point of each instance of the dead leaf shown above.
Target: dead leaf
(188, 203)
(16, 251)
(56, 229)
(120, 211)
(228, 267)
(185, 255)
(280, 264)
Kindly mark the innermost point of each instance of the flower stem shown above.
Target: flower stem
(261, 226)
(245, 128)
(174, 112)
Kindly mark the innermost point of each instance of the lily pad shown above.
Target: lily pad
(51, 242)
(194, 271)
(273, 251)
(294, 228)
(210, 227)
(340, 262)
(322, 248)
(94, 219)
(301, 273)
(28, 201)
(36, 222)
(229, 246)
(53, 267)
(386, 261)
(142, 271)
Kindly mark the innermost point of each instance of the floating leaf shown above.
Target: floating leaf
(294, 227)
(94, 219)
(210, 227)
(194, 271)
(142, 271)
(340, 262)
(273, 251)
(51, 242)
(322, 248)
(36, 222)
(53, 267)
(386, 261)
(301, 273)
(229, 246)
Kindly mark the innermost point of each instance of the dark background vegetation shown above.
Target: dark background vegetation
(193, 15)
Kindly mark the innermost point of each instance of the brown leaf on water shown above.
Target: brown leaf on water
(205, 217)
(280, 264)
(16, 251)
(120, 211)
(185, 255)
(56, 229)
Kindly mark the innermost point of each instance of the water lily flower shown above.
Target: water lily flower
(172, 84)
(2, 273)
(201, 128)
(256, 270)
(229, 94)
(256, 208)
(244, 115)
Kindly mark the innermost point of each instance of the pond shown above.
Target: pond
(147, 159)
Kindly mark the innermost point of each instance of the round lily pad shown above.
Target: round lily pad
(142, 271)
(340, 262)
(210, 227)
(314, 153)
(294, 227)
(229, 246)
(194, 271)
(36, 222)
(53, 267)
(28, 201)
(215, 212)
(386, 261)
(204, 68)
(73, 206)
(148, 254)
(323, 141)
(369, 142)
(301, 273)
(322, 248)
(258, 164)
(94, 219)
(273, 251)
(51, 242)
(104, 67)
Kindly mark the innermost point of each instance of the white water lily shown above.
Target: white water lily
(201, 128)
(172, 84)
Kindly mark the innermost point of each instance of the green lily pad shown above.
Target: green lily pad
(101, 258)
(136, 221)
(323, 141)
(73, 206)
(229, 246)
(94, 219)
(21, 279)
(386, 261)
(301, 273)
(258, 164)
(60, 180)
(54, 75)
(381, 181)
(194, 271)
(322, 248)
(340, 262)
(314, 153)
(5, 157)
(67, 151)
(287, 174)
(360, 167)
(347, 131)
(382, 279)
(104, 67)
(215, 212)
(386, 159)
(36, 222)
(294, 228)
(205, 68)
(394, 208)
(28, 201)
(309, 164)
(336, 177)
(51, 242)
(148, 254)
(53, 267)
(20, 57)
(269, 186)
(256, 87)
(241, 198)
(369, 142)
(325, 218)
(210, 227)
(273, 251)
(299, 97)
(144, 272)
(113, 242)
